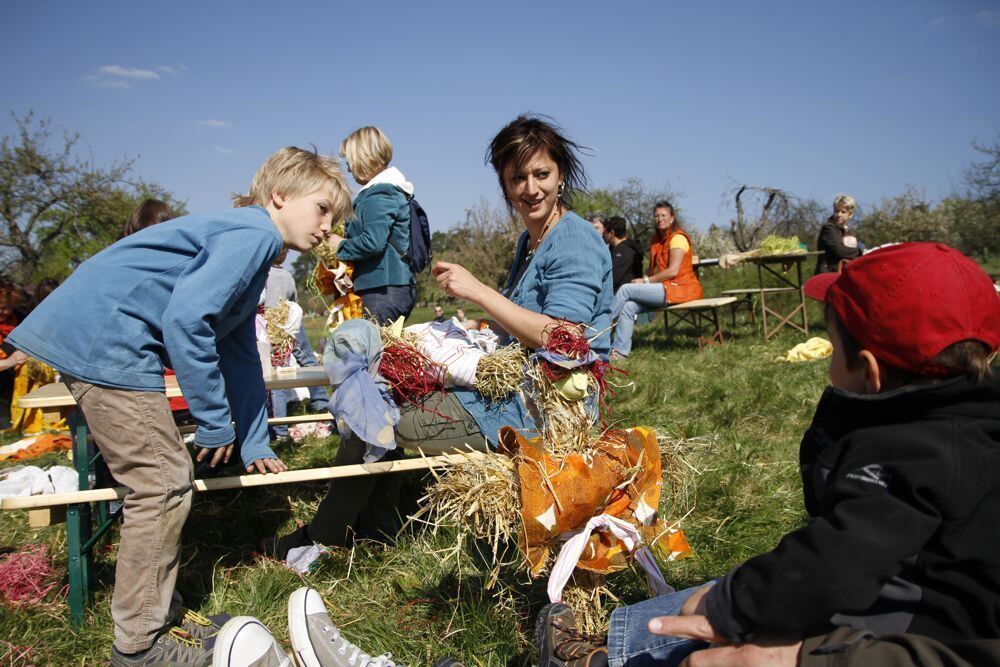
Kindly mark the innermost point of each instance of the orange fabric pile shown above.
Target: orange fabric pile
(620, 477)
(47, 442)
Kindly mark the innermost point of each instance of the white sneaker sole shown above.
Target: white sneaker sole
(223, 655)
(298, 630)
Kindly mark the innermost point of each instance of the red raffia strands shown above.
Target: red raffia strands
(26, 577)
(13, 655)
(410, 373)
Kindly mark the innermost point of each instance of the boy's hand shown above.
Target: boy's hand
(219, 454)
(267, 465)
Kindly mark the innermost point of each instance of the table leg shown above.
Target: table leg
(802, 297)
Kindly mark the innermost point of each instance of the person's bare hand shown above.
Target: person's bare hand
(455, 280)
(722, 654)
(267, 465)
(695, 604)
(637, 281)
(334, 240)
(851, 241)
(15, 360)
(219, 454)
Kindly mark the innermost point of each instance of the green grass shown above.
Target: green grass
(741, 415)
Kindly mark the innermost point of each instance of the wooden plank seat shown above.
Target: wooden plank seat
(698, 313)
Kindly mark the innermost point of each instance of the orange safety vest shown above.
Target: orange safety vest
(684, 286)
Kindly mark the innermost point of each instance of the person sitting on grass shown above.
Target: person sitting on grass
(182, 292)
(671, 279)
(901, 477)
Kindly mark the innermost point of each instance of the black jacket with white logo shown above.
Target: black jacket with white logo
(903, 495)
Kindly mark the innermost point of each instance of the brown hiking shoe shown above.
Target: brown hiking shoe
(560, 644)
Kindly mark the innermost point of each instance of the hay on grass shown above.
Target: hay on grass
(480, 497)
(585, 594)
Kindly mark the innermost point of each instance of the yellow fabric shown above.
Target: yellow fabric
(347, 307)
(811, 350)
(680, 242)
(30, 376)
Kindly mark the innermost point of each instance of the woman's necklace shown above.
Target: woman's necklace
(545, 229)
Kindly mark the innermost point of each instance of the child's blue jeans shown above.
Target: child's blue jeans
(631, 643)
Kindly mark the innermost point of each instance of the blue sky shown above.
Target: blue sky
(816, 98)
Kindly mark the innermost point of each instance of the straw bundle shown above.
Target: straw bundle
(499, 374)
(584, 594)
(480, 498)
(566, 424)
(280, 339)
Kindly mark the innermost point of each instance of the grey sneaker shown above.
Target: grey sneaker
(173, 647)
(317, 642)
(245, 642)
(198, 626)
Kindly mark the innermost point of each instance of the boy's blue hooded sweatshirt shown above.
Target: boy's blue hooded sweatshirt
(181, 294)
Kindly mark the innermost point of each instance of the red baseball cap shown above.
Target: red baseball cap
(906, 303)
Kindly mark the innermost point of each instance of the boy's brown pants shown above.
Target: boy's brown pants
(136, 433)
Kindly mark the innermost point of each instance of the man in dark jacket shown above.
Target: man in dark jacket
(626, 255)
(900, 472)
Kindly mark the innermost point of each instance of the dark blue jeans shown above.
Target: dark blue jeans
(387, 304)
(631, 644)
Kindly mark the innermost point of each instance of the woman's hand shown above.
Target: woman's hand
(455, 280)
(267, 465)
(639, 281)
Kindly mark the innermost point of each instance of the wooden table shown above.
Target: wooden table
(56, 402)
(765, 265)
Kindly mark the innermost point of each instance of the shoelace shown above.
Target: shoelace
(384, 660)
(196, 618)
(576, 644)
(180, 644)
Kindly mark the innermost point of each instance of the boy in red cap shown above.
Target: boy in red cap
(901, 476)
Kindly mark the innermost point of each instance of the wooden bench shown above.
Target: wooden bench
(698, 313)
(83, 533)
(41, 508)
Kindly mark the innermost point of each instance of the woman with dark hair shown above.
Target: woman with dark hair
(561, 274)
(671, 278)
(150, 212)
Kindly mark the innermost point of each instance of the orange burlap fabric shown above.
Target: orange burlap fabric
(621, 478)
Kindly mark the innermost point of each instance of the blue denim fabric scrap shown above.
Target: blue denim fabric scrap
(361, 401)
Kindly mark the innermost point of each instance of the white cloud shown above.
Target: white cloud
(167, 69)
(222, 150)
(213, 122)
(127, 72)
(102, 82)
(116, 76)
(939, 21)
(988, 17)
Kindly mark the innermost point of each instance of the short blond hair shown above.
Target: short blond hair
(367, 151)
(845, 201)
(293, 172)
